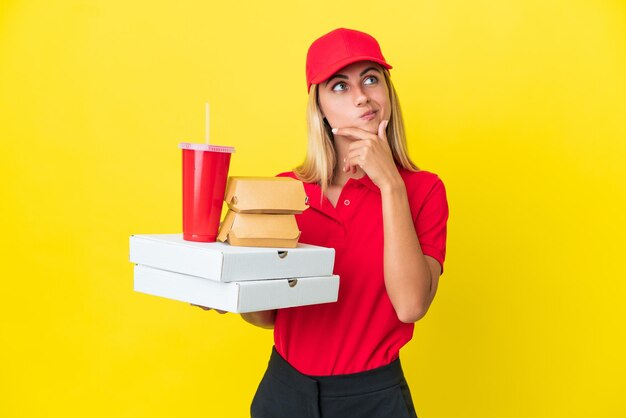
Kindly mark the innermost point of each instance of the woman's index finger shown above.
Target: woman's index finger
(353, 132)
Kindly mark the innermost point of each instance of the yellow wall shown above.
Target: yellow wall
(519, 106)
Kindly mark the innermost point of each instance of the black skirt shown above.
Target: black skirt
(378, 393)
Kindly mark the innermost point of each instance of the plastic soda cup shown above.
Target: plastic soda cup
(205, 171)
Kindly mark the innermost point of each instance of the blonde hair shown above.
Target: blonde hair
(320, 162)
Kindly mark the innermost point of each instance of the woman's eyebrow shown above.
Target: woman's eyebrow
(367, 69)
(346, 77)
(335, 76)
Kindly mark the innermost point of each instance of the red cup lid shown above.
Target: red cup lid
(206, 147)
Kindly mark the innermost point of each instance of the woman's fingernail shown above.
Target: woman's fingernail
(334, 130)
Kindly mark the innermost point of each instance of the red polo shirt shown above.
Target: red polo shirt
(361, 331)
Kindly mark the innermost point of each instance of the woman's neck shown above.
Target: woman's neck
(341, 151)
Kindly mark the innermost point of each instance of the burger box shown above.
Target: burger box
(259, 230)
(227, 263)
(265, 195)
(238, 297)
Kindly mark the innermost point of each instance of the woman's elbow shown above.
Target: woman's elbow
(262, 319)
(411, 314)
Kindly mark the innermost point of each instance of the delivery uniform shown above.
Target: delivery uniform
(342, 359)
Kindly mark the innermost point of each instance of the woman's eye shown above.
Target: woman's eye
(339, 86)
(372, 79)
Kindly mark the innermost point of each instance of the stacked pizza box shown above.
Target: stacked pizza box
(256, 264)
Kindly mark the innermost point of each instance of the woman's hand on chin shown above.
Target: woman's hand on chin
(370, 152)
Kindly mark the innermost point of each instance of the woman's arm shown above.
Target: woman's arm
(411, 278)
(263, 319)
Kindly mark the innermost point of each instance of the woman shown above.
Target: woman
(387, 222)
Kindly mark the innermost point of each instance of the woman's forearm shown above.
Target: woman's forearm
(263, 319)
(407, 274)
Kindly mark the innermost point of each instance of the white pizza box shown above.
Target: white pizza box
(238, 297)
(227, 263)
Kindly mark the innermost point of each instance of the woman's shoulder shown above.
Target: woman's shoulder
(287, 174)
(424, 186)
(420, 178)
(292, 174)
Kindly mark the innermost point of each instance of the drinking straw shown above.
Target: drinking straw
(206, 127)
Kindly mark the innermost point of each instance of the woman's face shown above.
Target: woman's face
(355, 96)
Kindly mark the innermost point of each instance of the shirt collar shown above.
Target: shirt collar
(314, 191)
(367, 182)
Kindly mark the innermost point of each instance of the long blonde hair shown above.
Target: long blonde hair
(320, 162)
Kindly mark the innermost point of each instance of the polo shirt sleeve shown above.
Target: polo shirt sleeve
(431, 222)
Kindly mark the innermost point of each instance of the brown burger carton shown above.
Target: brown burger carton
(259, 230)
(277, 195)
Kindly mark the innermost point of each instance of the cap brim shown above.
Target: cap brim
(336, 66)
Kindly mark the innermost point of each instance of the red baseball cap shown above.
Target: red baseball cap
(341, 47)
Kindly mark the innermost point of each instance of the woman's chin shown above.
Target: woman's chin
(371, 126)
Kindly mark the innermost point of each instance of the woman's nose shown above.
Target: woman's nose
(360, 98)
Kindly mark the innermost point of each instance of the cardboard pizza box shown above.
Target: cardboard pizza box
(226, 263)
(239, 297)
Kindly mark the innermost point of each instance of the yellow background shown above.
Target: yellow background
(519, 106)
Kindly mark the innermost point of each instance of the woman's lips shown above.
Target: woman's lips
(369, 115)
